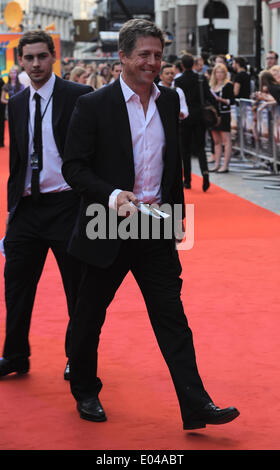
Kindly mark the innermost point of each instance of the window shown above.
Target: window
(215, 9)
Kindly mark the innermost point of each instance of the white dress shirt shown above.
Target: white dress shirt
(183, 104)
(24, 79)
(148, 142)
(51, 179)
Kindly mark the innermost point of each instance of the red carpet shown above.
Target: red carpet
(231, 298)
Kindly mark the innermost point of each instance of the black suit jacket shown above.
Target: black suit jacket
(189, 83)
(64, 99)
(98, 159)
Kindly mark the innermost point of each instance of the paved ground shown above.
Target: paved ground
(238, 181)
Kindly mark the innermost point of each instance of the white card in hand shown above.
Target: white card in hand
(150, 210)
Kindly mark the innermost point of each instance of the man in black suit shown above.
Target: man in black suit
(42, 207)
(122, 150)
(193, 128)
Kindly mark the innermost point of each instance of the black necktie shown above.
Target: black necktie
(36, 157)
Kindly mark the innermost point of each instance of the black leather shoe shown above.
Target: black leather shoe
(91, 409)
(210, 414)
(7, 366)
(187, 185)
(67, 371)
(206, 182)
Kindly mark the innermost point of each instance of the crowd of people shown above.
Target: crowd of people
(228, 78)
(91, 73)
(7, 90)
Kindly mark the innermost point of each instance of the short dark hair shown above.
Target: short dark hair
(165, 66)
(115, 64)
(275, 54)
(187, 61)
(241, 61)
(134, 29)
(32, 37)
(178, 65)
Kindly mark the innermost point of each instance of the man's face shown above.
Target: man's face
(220, 74)
(83, 78)
(199, 65)
(167, 76)
(270, 60)
(143, 65)
(38, 62)
(116, 71)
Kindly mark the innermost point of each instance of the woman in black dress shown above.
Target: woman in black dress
(12, 87)
(222, 89)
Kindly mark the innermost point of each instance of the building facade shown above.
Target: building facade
(271, 25)
(84, 9)
(188, 21)
(84, 16)
(56, 14)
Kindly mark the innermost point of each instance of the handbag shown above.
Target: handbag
(210, 114)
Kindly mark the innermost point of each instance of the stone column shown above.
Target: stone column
(171, 29)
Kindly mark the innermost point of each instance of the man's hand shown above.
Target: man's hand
(124, 206)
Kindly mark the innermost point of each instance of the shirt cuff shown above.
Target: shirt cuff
(113, 199)
(185, 114)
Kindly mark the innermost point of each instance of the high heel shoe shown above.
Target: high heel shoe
(206, 182)
(213, 170)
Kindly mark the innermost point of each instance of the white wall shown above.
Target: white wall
(231, 24)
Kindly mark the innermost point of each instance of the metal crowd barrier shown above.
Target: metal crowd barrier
(255, 135)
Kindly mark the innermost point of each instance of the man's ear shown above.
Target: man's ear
(54, 57)
(122, 56)
(19, 60)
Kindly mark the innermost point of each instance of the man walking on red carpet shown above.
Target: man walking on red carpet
(42, 207)
(121, 151)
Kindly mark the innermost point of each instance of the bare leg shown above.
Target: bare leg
(226, 139)
(218, 148)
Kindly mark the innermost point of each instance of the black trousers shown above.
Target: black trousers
(34, 229)
(156, 268)
(193, 144)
